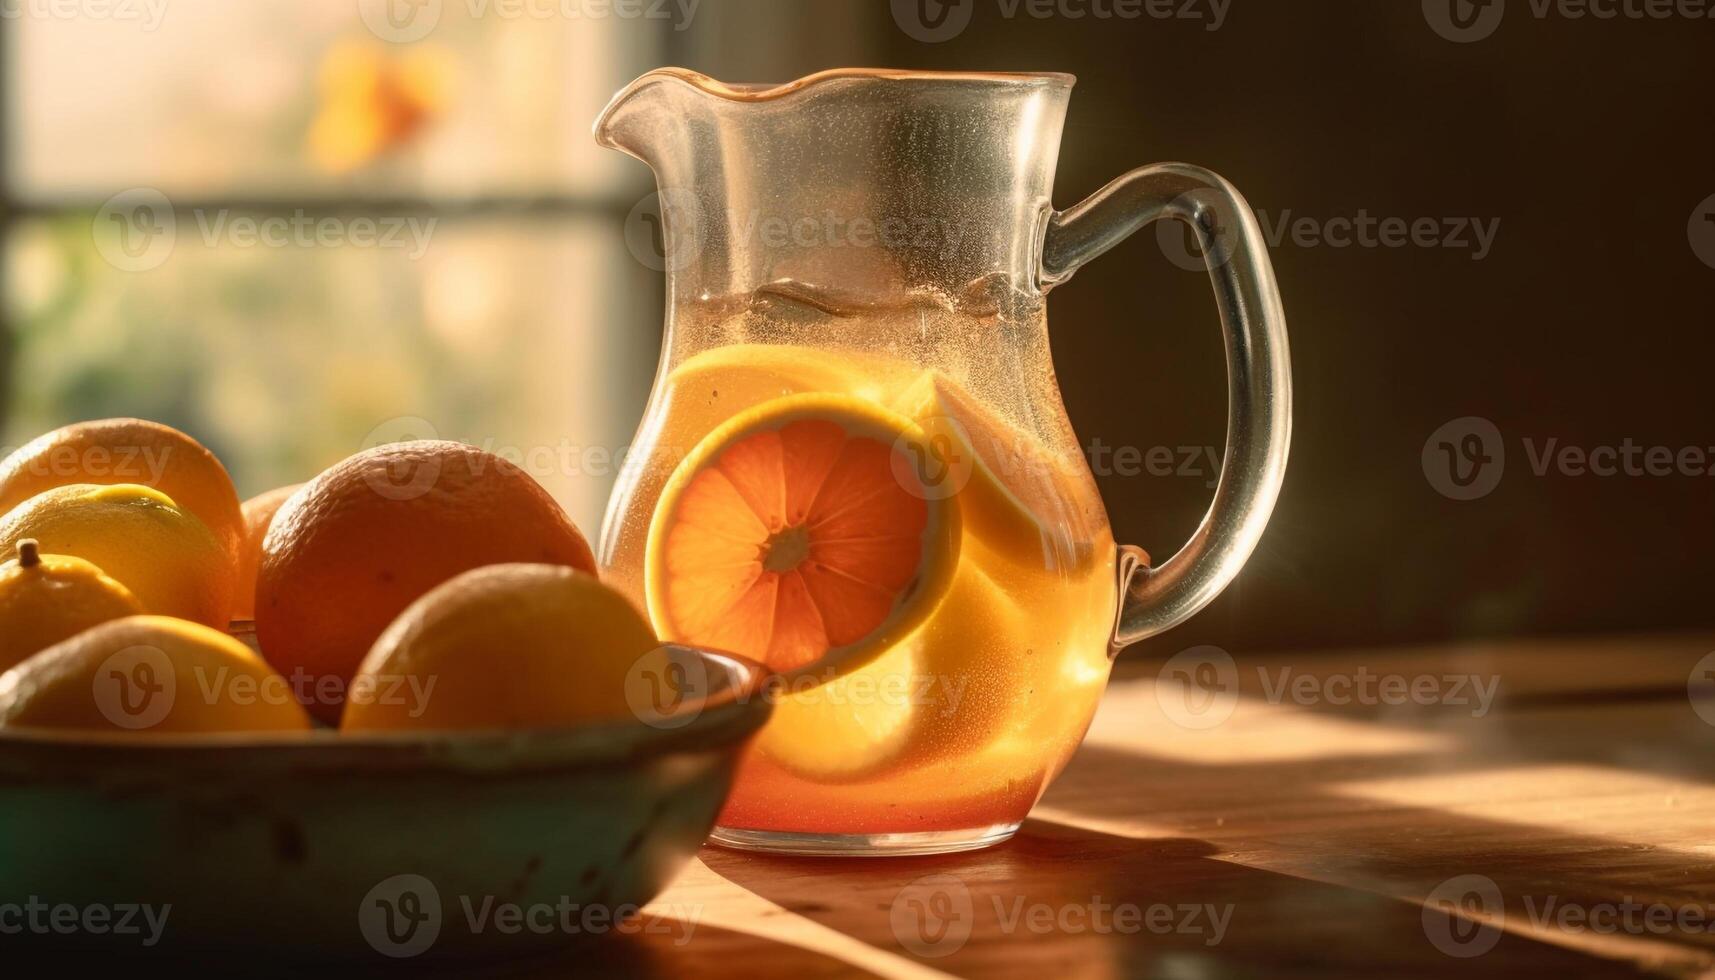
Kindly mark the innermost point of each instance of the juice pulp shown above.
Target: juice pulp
(964, 722)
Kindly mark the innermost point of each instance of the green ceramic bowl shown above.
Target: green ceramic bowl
(366, 847)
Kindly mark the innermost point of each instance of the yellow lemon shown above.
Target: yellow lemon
(149, 675)
(168, 559)
(505, 647)
(48, 598)
(116, 451)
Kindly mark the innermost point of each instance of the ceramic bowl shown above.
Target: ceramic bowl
(340, 846)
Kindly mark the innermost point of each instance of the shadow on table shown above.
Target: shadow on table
(646, 954)
(1288, 811)
(708, 952)
(1064, 901)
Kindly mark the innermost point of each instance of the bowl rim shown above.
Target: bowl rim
(734, 714)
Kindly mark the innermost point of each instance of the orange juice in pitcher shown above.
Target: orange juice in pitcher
(855, 466)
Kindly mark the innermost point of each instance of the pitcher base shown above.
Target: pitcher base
(864, 845)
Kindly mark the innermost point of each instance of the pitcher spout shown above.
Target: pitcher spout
(851, 180)
(632, 120)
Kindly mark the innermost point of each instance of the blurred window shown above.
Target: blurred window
(296, 229)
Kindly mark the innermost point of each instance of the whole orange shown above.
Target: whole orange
(353, 548)
(505, 648)
(149, 675)
(115, 451)
(259, 514)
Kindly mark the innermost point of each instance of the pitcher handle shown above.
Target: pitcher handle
(1259, 377)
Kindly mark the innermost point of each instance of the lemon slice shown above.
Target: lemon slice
(1016, 494)
(721, 382)
(946, 691)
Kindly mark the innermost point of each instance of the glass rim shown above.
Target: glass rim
(767, 91)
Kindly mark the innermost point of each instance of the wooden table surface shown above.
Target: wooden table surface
(1296, 837)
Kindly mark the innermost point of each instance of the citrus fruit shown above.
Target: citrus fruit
(719, 382)
(705, 391)
(502, 647)
(131, 451)
(149, 674)
(139, 536)
(48, 598)
(353, 548)
(940, 693)
(694, 398)
(798, 534)
(1016, 495)
(259, 514)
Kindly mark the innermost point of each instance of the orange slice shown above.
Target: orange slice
(950, 688)
(1018, 498)
(800, 534)
(719, 382)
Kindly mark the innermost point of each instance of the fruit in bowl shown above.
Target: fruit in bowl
(162, 553)
(348, 552)
(150, 675)
(157, 756)
(48, 598)
(506, 647)
(129, 451)
(259, 514)
(282, 844)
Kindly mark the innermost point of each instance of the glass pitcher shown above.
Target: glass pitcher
(857, 264)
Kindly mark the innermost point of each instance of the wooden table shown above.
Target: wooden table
(1321, 834)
